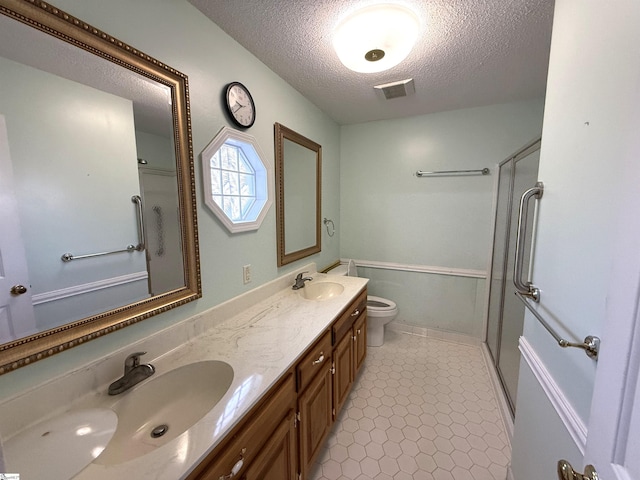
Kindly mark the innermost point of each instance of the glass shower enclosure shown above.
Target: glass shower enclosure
(505, 316)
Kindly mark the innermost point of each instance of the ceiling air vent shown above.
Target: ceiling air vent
(396, 89)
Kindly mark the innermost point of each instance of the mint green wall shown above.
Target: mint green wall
(176, 33)
(390, 215)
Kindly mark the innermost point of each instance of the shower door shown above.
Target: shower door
(505, 312)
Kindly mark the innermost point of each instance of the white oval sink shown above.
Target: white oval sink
(161, 409)
(61, 447)
(321, 290)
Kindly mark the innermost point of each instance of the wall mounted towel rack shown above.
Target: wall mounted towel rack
(67, 257)
(483, 171)
(591, 344)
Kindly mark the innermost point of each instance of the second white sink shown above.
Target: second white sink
(159, 410)
(321, 290)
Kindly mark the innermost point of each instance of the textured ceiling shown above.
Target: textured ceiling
(470, 52)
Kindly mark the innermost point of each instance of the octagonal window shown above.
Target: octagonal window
(238, 180)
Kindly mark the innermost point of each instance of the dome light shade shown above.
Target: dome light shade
(376, 38)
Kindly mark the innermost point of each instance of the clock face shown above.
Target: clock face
(240, 105)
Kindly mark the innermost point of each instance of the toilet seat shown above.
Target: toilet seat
(380, 305)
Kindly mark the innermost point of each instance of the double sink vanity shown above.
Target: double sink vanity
(248, 389)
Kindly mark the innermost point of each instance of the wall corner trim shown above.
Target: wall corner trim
(574, 425)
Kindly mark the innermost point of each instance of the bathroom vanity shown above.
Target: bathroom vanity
(293, 355)
(292, 421)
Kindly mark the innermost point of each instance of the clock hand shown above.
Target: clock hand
(234, 110)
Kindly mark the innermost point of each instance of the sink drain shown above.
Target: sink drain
(159, 431)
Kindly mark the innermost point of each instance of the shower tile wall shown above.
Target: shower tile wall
(421, 409)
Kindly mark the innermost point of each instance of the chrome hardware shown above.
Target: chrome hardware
(67, 257)
(328, 221)
(141, 239)
(320, 359)
(236, 467)
(333, 368)
(591, 344)
(566, 472)
(355, 338)
(355, 313)
(159, 431)
(300, 281)
(483, 171)
(18, 290)
(358, 331)
(134, 373)
(525, 287)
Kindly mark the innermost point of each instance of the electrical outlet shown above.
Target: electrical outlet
(246, 274)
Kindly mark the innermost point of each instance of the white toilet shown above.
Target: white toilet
(380, 311)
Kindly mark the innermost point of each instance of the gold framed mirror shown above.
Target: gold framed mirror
(298, 197)
(90, 260)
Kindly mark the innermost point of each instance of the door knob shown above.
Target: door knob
(18, 290)
(566, 472)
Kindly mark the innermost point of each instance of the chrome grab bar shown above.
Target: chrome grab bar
(591, 344)
(67, 257)
(483, 171)
(525, 287)
(141, 240)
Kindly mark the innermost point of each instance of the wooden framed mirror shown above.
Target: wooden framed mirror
(95, 138)
(298, 195)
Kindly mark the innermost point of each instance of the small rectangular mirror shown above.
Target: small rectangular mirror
(298, 199)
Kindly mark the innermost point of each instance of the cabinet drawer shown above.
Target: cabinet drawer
(246, 444)
(318, 357)
(350, 315)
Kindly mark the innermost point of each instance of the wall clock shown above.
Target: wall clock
(239, 104)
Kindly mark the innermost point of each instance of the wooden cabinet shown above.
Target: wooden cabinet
(314, 400)
(277, 460)
(253, 445)
(350, 340)
(343, 372)
(360, 333)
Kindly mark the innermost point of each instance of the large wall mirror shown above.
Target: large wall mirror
(298, 198)
(97, 202)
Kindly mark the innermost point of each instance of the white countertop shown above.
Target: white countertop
(274, 326)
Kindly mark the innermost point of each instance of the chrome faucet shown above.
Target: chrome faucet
(300, 281)
(134, 373)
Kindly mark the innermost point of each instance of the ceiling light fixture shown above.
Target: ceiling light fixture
(376, 38)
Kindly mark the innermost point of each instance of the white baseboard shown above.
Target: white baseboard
(430, 332)
(572, 422)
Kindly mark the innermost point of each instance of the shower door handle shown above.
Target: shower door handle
(525, 287)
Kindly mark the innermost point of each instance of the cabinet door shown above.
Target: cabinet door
(360, 334)
(315, 418)
(343, 372)
(278, 458)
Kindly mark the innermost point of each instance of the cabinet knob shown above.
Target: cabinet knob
(236, 467)
(355, 313)
(320, 359)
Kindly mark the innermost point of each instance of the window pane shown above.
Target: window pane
(215, 160)
(246, 203)
(232, 208)
(229, 157)
(247, 185)
(230, 183)
(216, 184)
(244, 164)
(219, 200)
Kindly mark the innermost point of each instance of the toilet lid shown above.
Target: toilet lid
(352, 271)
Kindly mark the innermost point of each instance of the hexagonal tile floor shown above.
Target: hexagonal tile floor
(421, 409)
